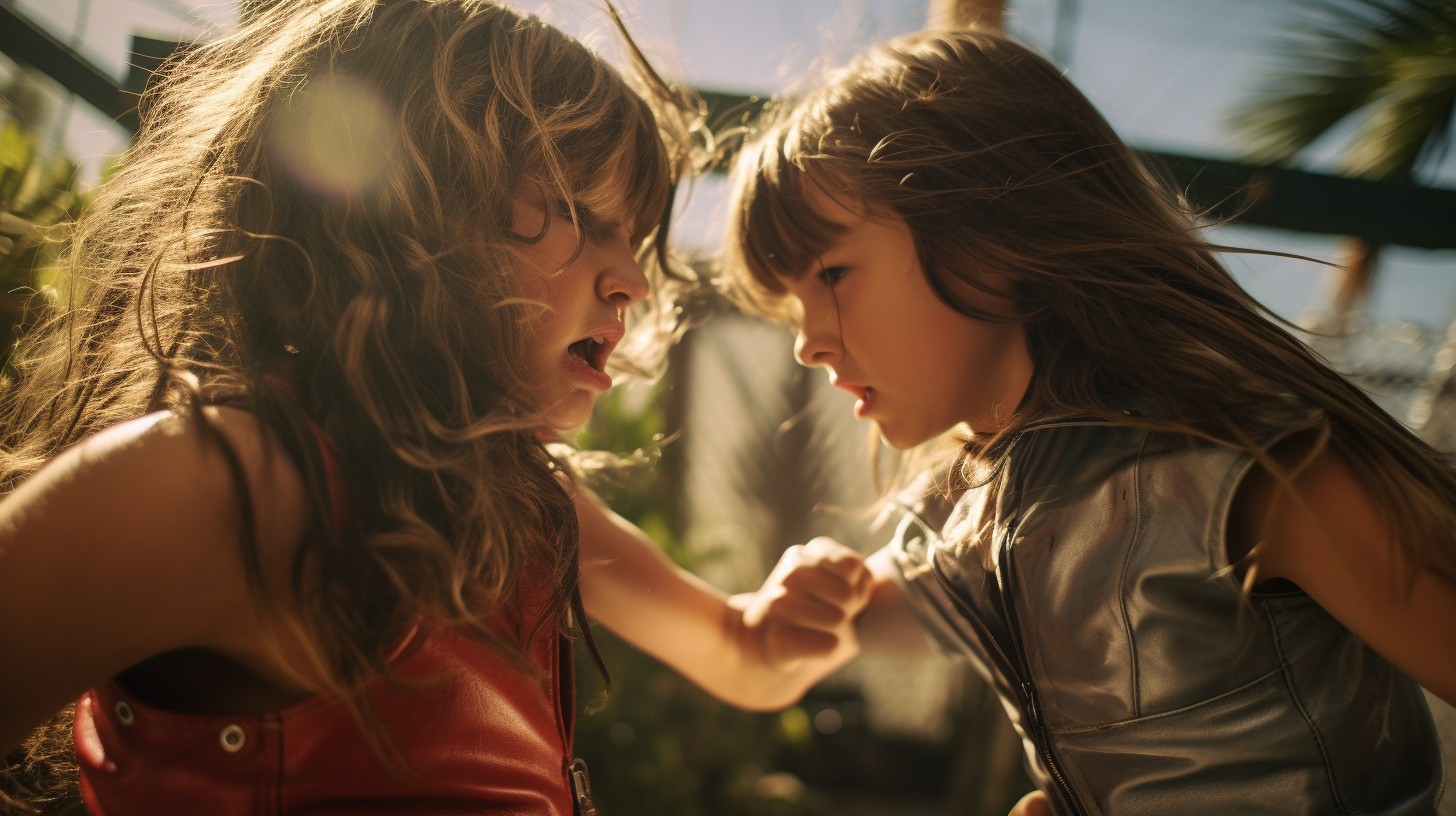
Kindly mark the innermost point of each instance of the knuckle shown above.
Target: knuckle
(777, 605)
(793, 580)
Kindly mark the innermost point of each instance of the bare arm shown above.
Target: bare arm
(723, 642)
(1346, 562)
(886, 626)
(758, 651)
(122, 548)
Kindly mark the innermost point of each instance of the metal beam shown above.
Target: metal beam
(1378, 212)
(28, 42)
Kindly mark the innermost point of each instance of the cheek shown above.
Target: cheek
(960, 359)
(538, 312)
(997, 370)
(531, 279)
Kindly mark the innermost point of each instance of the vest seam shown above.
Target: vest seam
(1136, 477)
(1082, 729)
(279, 749)
(1292, 687)
(1440, 748)
(559, 671)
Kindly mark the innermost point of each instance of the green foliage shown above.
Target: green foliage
(38, 203)
(657, 745)
(1390, 62)
(626, 435)
(40, 194)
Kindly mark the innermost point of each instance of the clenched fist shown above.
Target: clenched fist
(806, 607)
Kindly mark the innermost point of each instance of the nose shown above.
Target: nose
(818, 342)
(622, 281)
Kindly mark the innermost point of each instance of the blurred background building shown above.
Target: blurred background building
(766, 454)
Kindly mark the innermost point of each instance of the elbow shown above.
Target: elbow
(768, 691)
(763, 703)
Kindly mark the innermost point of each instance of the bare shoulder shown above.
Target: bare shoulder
(1326, 533)
(1322, 511)
(167, 479)
(127, 546)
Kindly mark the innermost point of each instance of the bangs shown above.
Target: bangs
(625, 172)
(645, 172)
(775, 233)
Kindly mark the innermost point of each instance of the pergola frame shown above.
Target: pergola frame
(1376, 212)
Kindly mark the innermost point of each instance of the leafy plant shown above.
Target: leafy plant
(38, 202)
(1391, 62)
(657, 745)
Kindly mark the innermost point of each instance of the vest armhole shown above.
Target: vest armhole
(1222, 514)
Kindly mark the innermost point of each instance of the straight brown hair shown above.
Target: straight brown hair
(999, 164)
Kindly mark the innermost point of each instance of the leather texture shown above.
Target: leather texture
(476, 736)
(1140, 678)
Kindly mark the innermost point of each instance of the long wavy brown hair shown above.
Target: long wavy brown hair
(997, 163)
(313, 224)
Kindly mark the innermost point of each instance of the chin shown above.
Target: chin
(571, 412)
(900, 438)
(904, 435)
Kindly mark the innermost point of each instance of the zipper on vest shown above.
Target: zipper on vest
(581, 788)
(970, 614)
(1018, 675)
(1028, 689)
(1019, 670)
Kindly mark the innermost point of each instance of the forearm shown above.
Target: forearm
(699, 631)
(759, 651)
(887, 627)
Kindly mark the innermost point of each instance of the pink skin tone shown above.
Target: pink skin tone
(758, 651)
(918, 367)
(567, 344)
(761, 650)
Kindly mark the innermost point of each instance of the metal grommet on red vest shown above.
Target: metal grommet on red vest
(232, 738)
(124, 712)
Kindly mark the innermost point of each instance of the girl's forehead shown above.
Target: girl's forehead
(633, 198)
(830, 216)
(615, 194)
(612, 198)
(840, 207)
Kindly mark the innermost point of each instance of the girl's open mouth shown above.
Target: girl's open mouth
(865, 404)
(591, 350)
(588, 359)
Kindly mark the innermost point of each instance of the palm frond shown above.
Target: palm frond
(1408, 120)
(1391, 62)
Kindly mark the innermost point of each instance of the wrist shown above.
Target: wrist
(753, 634)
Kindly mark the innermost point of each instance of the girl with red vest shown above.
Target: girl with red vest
(281, 512)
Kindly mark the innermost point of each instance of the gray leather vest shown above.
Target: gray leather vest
(1140, 678)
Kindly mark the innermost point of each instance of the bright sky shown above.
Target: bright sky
(1163, 71)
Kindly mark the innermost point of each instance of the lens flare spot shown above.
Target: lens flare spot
(336, 136)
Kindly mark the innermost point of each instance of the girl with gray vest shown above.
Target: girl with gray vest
(1204, 571)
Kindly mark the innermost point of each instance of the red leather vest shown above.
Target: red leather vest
(477, 736)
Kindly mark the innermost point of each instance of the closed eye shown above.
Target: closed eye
(833, 274)
(583, 215)
(638, 239)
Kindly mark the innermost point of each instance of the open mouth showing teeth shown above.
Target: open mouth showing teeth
(591, 350)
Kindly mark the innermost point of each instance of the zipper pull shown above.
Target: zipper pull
(1029, 693)
(581, 788)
